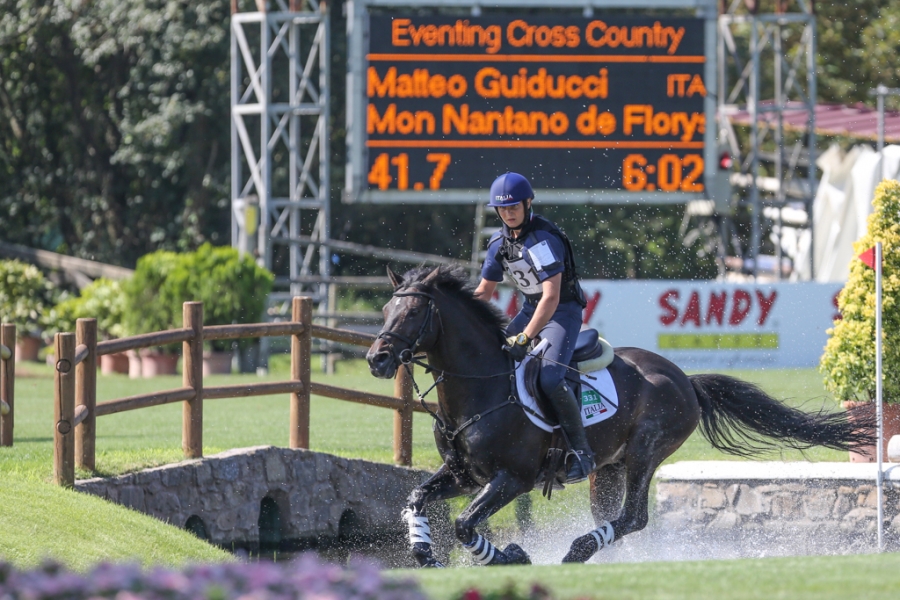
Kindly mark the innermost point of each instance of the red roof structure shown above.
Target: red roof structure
(857, 121)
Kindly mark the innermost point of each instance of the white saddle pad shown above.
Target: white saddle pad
(599, 399)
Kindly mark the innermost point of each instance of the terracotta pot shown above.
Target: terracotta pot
(154, 363)
(891, 414)
(114, 363)
(27, 348)
(217, 363)
(134, 364)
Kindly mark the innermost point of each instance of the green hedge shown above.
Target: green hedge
(26, 297)
(102, 300)
(233, 289)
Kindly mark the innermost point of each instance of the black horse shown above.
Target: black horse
(490, 448)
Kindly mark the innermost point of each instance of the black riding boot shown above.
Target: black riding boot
(568, 412)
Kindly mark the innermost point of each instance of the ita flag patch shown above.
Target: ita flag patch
(868, 257)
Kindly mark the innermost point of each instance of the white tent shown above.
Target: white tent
(840, 209)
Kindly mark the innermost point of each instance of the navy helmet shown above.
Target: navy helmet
(510, 189)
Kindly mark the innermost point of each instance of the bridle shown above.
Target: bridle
(407, 357)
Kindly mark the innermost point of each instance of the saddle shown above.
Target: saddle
(592, 353)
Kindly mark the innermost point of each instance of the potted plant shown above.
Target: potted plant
(233, 289)
(26, 298)
(848, 363)
(148, 308)
(102, 299)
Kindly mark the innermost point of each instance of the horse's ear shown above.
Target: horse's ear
(431, 276)
(396, 280)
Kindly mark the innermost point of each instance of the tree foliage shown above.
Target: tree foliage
(113, 125)
(115, 138)
(849, 360)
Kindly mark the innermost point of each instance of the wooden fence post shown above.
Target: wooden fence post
(64, 411)
(7, 383)
(86, 394)
(301, 357)
(403, 389)
(192, 377)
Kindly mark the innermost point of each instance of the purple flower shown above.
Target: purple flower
(307, 578)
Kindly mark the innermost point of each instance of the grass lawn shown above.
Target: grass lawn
(152, 436)
(801, 578)
(148, 437)
(40, 521)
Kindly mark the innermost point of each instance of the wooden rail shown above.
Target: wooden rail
(76, 408)
(7, 382)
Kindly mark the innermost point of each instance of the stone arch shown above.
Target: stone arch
(195, 525)
(350, 528)
(273, 521)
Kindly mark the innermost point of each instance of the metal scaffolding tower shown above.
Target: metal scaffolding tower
(770, 56)
(280, 175)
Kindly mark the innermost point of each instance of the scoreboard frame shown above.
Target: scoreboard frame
(357, 188)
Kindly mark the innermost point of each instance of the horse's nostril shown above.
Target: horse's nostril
(379, 359)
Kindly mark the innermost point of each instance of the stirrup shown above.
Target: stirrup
(579, 471)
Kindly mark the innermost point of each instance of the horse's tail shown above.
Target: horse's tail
(740, 418)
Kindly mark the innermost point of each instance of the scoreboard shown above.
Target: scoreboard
(590, 109)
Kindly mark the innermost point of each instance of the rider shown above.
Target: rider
(538, 257)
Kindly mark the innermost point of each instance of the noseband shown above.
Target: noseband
(406, 355)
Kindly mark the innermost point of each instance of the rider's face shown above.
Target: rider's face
(513, 215)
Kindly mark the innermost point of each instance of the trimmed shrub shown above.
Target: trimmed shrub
(146, 306)
(848, 363)
(305, 578)
(103, 300)
(233, 289)
(26, 297)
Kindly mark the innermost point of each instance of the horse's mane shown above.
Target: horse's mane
(454, 281)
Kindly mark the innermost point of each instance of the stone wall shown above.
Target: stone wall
(810, 508)
(308, 497)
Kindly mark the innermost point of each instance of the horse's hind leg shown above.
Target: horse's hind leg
(502, 490)
(607, 492)
(440, 486)
(641, 462)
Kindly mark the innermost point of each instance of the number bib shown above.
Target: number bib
(524, 276)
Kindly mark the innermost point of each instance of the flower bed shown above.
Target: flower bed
(304, 578)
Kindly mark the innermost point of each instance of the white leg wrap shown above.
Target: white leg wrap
(419, 530)
(481, 549)
(603, 535)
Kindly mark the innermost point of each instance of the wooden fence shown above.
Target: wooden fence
(76, 408)
(7, 382)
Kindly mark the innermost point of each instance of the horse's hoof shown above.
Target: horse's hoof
(516, 556)
(422, 553)
(582, 549)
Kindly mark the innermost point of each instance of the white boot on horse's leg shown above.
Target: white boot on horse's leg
(485, 553)
(587, 545)
(420, 537)
(568, 411)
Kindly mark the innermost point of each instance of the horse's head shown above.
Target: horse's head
(410, 325)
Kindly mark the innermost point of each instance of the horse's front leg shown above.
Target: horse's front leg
(440, 486)
(499, 492)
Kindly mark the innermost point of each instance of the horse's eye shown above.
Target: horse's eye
(414, 310)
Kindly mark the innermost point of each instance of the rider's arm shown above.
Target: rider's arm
(545, 307)
(485, 289)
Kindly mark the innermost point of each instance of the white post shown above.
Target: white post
(878, 396)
